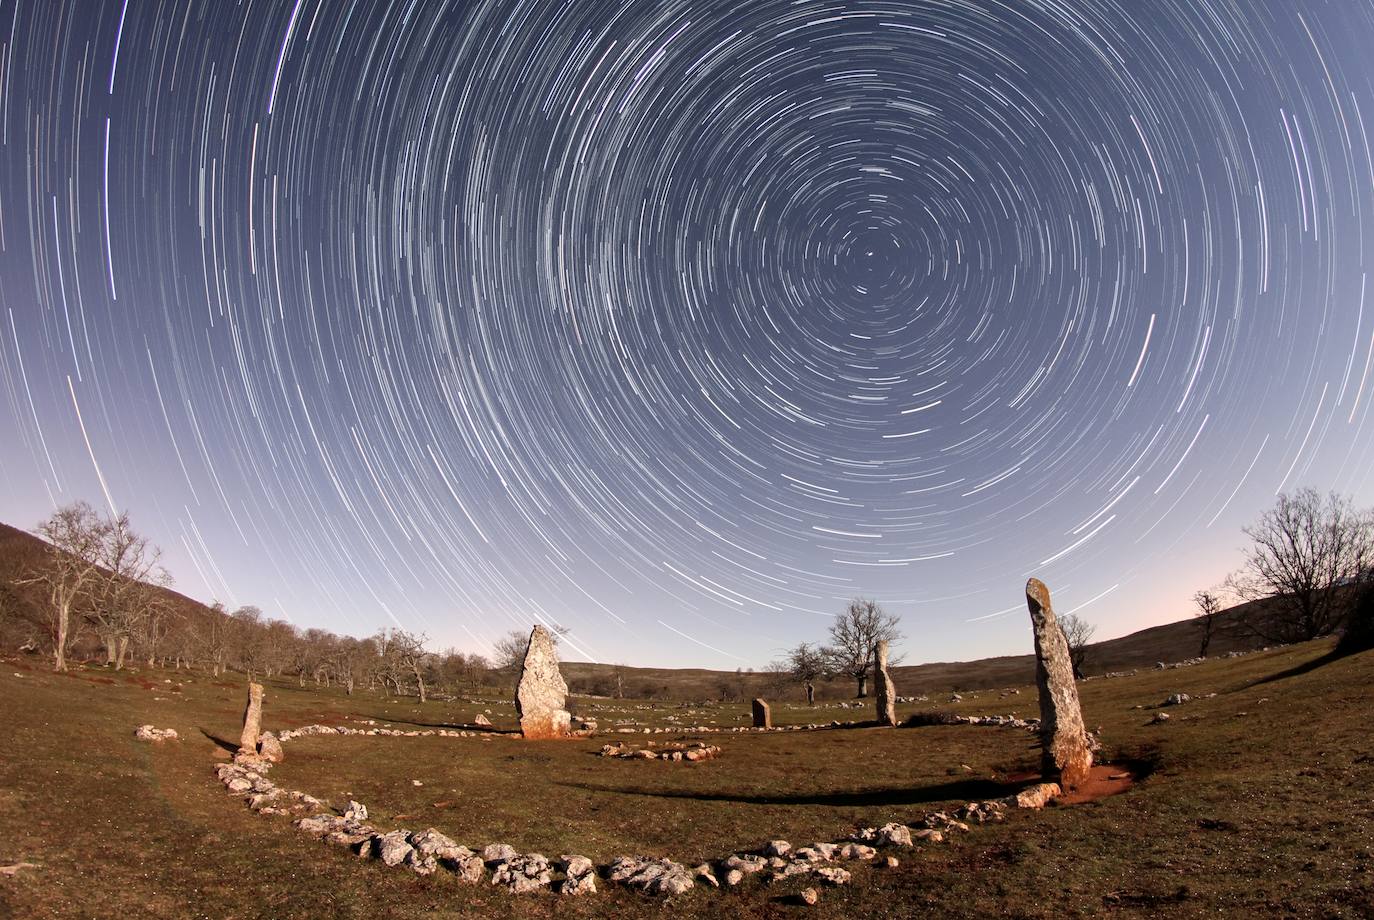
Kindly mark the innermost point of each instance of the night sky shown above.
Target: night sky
(679, 324)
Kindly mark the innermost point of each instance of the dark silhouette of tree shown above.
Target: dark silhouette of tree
(854, 637)
(1304, 550)
(1208, 606)
(1078, 632)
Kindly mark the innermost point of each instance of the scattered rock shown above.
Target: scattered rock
(1160, 717)
(356, 811)
(1176, 699)
(482, 721)
(810, 896)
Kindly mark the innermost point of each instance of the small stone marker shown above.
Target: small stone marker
(1066, 755)
(252, 720)
(887, 693)
(541, 693)
(762, 717)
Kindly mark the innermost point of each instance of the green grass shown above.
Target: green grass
(1256, 804)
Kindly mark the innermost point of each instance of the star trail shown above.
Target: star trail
(679, 324)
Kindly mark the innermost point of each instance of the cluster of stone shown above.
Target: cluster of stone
(149, 733)
(246, 776)
(695, 751)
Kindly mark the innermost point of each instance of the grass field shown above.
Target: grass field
(1253, 802)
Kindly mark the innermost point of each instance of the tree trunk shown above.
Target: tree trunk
(109, 650)
(59, 651)
(863, 685)
(810, 694)
(123, 650)
(350, 685)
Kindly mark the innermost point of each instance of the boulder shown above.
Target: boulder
(270, 749)
(482, 721)
(762, 716)
(1037, 796)
(393, 848)
(541, 693)
(149, 733)
(1066, 751)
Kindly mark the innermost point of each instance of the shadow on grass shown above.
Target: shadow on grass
(1297, 670)
(966, 790)
(229, 746)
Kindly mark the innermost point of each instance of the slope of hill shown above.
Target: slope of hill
(20, 550)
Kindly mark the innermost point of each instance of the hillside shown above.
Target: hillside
(1170, 642)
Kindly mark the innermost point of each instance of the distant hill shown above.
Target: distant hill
(1170, 642)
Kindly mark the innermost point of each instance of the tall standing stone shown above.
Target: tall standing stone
(1066, 755)
(887, 693)
(252, 720)
(762, 717)
(541, 692)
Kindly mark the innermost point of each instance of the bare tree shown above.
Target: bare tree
(131, 572)
(70, 571)
(1208, 607)
(509, 651)
(1078, 632)
(854, 637)
(806, 664)
(1305, 550)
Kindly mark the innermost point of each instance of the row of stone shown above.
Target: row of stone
(697, 750)
(426, 851)
(305, 730)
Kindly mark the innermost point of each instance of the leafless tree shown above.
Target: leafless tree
(1208, 607)
(130, 572)
(854, 636)
(509, 651)
(70, 571)
(1304, 551)
(806, 664)
(1078, 632)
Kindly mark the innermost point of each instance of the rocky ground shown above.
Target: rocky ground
(1250, 800)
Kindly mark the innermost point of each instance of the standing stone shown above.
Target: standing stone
(887, 693)
(762, 717)
(541, 693)
(252, 720)
(1066, 755)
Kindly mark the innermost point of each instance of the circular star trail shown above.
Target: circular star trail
(678, 324)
